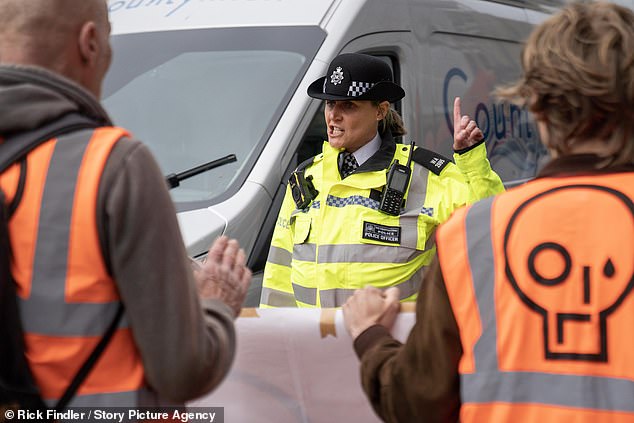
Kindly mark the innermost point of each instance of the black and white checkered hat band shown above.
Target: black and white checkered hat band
(359, 88)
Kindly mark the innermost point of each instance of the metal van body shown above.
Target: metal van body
(197, 80)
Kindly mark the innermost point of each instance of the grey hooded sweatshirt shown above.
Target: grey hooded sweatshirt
(186, 344)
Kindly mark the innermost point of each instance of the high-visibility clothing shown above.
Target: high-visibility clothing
(342, 242)
(66, 296)
(540, 282)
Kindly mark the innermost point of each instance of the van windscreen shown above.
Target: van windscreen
(197, 95)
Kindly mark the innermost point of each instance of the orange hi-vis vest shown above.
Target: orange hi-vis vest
(67, 298)
(540, 281)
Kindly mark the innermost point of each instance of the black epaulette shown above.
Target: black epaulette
(433, 161)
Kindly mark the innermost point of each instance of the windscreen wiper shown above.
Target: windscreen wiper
(174, 179)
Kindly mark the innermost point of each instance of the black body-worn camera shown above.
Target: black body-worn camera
(302, 189)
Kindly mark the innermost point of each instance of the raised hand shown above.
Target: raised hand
(465, 130)
(224, 274)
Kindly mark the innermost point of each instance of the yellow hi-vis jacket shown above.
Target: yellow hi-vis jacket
(341, 242)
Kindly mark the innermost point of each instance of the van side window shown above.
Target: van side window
(314, 137)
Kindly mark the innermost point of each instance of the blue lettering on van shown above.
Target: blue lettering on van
(492, 118)
(172, 6)
(512, 139)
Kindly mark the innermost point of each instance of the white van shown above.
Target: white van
(203, 80)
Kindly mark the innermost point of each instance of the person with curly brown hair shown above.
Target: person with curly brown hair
(527, 311)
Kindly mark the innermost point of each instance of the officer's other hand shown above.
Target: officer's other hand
(465, 130)
(370, 306)
(224, 274)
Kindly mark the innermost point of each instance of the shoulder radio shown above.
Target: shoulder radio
(392, 199)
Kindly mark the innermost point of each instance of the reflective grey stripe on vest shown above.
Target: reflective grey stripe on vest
(593, 392)
(305, 295)
(415, 200)
(142, 397)
(365, 253)
(46, 310)
(305, 252)
(489, 384)
(338, 296)
(119, 399)
(275, 298)
(417, 191)
(480, 247)
(279, 256)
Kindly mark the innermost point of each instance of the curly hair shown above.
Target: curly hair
(579, 80)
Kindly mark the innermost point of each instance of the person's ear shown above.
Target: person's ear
(382, 110)
(88, 43)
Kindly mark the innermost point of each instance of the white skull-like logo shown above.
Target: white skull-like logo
(337, 76)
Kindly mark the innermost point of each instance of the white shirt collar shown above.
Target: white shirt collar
(364, 153)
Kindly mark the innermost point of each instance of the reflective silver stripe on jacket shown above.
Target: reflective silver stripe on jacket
(305, 252)
(365, 253)
(46, 310)
(279, 256)
(337, 297)
(275, 298)
(305, 295)
(142, 397)
(489, 384)
(600, 393)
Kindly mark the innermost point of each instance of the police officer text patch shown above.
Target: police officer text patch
(375, 232)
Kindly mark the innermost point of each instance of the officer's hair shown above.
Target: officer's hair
(392, 121)
(579, 79)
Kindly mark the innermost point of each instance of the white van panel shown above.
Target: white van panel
(197, 226)
(132, 16)
(241, 217)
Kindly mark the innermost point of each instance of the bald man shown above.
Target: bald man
(93, 227)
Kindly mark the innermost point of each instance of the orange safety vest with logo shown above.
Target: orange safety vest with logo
(66, 296)
(541, 282)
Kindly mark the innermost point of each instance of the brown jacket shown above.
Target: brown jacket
(418, 381)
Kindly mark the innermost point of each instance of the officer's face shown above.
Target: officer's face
(352, 124)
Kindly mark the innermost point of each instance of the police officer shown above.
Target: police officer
(364, 211)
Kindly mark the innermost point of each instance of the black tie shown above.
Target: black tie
(348, 164)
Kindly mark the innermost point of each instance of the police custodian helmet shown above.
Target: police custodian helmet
(354, 76)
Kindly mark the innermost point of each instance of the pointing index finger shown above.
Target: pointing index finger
(457, 115)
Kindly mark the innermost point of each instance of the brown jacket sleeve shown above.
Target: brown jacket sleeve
(416, 381)
(186, 347)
